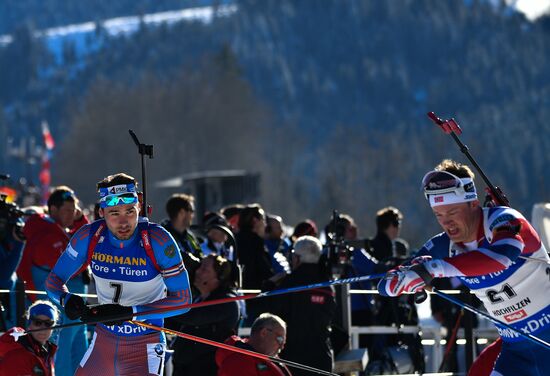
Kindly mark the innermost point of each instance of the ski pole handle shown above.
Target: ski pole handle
(451, 127)
(422, 295)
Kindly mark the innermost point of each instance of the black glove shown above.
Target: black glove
(109, 314)
(420, 269)
(73, 305)
(422, 272)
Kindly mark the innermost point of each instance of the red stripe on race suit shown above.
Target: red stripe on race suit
(393, 284)
(474, 263)
(529, 237)
(413, 285)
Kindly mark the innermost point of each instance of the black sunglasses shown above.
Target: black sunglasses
(45, 323)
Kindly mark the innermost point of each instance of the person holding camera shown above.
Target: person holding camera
(390, 251)
(11, 247)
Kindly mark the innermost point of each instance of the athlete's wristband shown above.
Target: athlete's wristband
(422, 272)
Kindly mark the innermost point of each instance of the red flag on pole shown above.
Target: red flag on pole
(45, 175)
(48, 139)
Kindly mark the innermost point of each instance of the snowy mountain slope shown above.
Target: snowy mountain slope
(82, 35)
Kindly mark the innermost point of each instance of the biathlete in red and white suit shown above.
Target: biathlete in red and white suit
(137, 267)
(497, 254)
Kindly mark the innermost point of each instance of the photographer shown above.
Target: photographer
(11, 246)
(341, 236)
(391, 251)
(358, 261)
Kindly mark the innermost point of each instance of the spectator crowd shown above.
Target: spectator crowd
(236, 247)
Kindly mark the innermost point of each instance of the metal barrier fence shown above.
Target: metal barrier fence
(431, 335)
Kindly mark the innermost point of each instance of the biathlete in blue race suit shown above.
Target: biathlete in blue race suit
(137, 267)
(497, 254)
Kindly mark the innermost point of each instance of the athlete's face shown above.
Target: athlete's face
(121, 220)
(459, 221)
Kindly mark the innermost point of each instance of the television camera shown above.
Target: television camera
(10, 215)
(339, 250)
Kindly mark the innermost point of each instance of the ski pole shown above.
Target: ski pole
(451, 127)
(458, 302)
(224, 300)
(143, 150)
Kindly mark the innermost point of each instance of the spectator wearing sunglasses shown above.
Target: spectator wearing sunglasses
(497, 254)
(47, 236)
(267, 336)
(386, 244)
(30, 354)
(137, 267)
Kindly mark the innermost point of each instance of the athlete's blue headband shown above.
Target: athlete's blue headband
(42, 309)
(117, 195)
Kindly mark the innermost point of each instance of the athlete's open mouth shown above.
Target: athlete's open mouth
(453, 231)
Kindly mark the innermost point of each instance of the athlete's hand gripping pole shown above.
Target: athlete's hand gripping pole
(451, 127)
(143, 150)
(73, 305)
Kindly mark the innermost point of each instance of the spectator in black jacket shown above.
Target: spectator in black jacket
(386, 244)
(308, 314)
(254, 257)
(215, 322)
(391, 251)
(181, 211)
